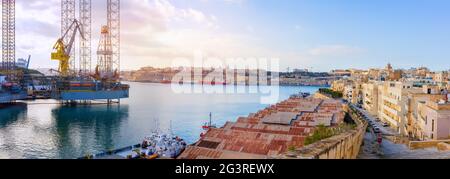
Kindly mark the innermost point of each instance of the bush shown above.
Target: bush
(333, 94)
(321, 132)
(291, 148)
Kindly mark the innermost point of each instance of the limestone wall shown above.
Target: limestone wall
(344, 146)
(321, 96)
(425, 144)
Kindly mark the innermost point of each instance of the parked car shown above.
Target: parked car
(385, 124)
(376, 130)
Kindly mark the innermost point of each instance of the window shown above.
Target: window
(432, 126)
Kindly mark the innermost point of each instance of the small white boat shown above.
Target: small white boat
(154, 146)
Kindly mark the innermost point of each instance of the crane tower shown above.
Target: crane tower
(8, 36)
(67, 18)
(85, 43)
(114, 31)
(77, 83)
(109, 46)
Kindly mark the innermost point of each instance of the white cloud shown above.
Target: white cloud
(147, 30)
(235, 1)
(156, 31)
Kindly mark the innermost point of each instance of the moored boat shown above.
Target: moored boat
(155, 146)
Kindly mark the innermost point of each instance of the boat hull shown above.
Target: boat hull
(93, 95)
(10, 97)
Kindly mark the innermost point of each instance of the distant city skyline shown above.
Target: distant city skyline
(319, 35)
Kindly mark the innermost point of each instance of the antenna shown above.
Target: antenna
(170, 128)
(28, 61)
(210, 119)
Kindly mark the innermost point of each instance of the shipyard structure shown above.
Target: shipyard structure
(76, 80)
(10, 75)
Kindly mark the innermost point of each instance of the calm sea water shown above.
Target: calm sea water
(45, 129)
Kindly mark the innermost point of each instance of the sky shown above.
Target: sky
(318, 35)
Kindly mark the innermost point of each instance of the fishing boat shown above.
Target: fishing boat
(207, 126)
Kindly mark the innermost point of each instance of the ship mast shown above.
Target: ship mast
(210, 119)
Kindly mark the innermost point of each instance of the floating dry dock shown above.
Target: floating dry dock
(10, 92)
(90, 90)
(10, 97)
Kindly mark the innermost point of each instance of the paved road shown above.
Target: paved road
(390, 150)
(386, 131)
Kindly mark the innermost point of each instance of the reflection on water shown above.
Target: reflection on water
(84, 129)
(14, 113)
(45, 129)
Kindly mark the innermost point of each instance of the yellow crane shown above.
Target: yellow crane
(62, 50)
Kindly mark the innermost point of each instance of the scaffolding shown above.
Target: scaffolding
(80, 85)
(113, 20)
(105, 53)
(8, 37)
(68, 10)
(85, 43)
(108, 52)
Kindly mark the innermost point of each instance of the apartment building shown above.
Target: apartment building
(415, 99)
(414, 102)
(339, 85)
(370, 97)
(441, 77)
(433, 120)
(392, 104)
(348, 93)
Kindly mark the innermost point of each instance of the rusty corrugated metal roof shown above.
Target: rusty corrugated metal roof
(251, 137)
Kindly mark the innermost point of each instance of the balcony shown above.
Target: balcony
(390, 100)
(392, 111)
(393, 122)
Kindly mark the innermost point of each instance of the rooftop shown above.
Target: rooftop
(284, 118)
(268, 132)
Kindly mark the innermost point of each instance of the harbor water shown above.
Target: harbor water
(46, 129)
